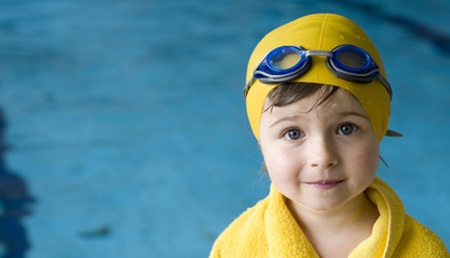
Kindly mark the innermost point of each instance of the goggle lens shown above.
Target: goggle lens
(352, 59)
(283, 60)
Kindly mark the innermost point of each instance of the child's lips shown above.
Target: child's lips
(326, 183)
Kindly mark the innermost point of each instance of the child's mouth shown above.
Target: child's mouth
(325, 184)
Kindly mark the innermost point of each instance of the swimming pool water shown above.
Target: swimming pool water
(127, 122)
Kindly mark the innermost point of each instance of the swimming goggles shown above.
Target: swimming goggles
(347, 62)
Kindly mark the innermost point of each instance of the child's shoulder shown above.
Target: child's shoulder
(421, 241)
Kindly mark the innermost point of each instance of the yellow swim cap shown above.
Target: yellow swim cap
(321, 32)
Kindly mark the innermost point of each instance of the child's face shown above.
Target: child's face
(321, 158)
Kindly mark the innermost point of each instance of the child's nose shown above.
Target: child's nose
(322, 153)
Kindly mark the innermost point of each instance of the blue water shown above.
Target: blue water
(126, 118)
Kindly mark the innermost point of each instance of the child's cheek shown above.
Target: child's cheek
(282, 166)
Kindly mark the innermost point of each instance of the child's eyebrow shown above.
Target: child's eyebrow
(337, 114)
(286, 118)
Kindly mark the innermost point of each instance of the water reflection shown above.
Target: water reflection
(16, 203)
(440, 39)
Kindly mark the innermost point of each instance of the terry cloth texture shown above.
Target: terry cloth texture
(269, 230)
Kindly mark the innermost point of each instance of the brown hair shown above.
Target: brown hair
(290, 92)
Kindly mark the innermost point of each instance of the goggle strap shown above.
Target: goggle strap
(248, 85)
(386, 85)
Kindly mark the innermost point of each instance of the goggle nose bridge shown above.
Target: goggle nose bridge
(309, 53)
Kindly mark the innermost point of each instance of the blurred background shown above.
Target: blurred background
(123, 126)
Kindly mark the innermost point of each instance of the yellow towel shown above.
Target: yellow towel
(269, 230)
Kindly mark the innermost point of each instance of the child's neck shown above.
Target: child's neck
(336, 233)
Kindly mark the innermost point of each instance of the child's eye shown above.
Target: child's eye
(347, 129)
(293, 134)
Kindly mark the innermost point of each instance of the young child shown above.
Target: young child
(318, 103)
